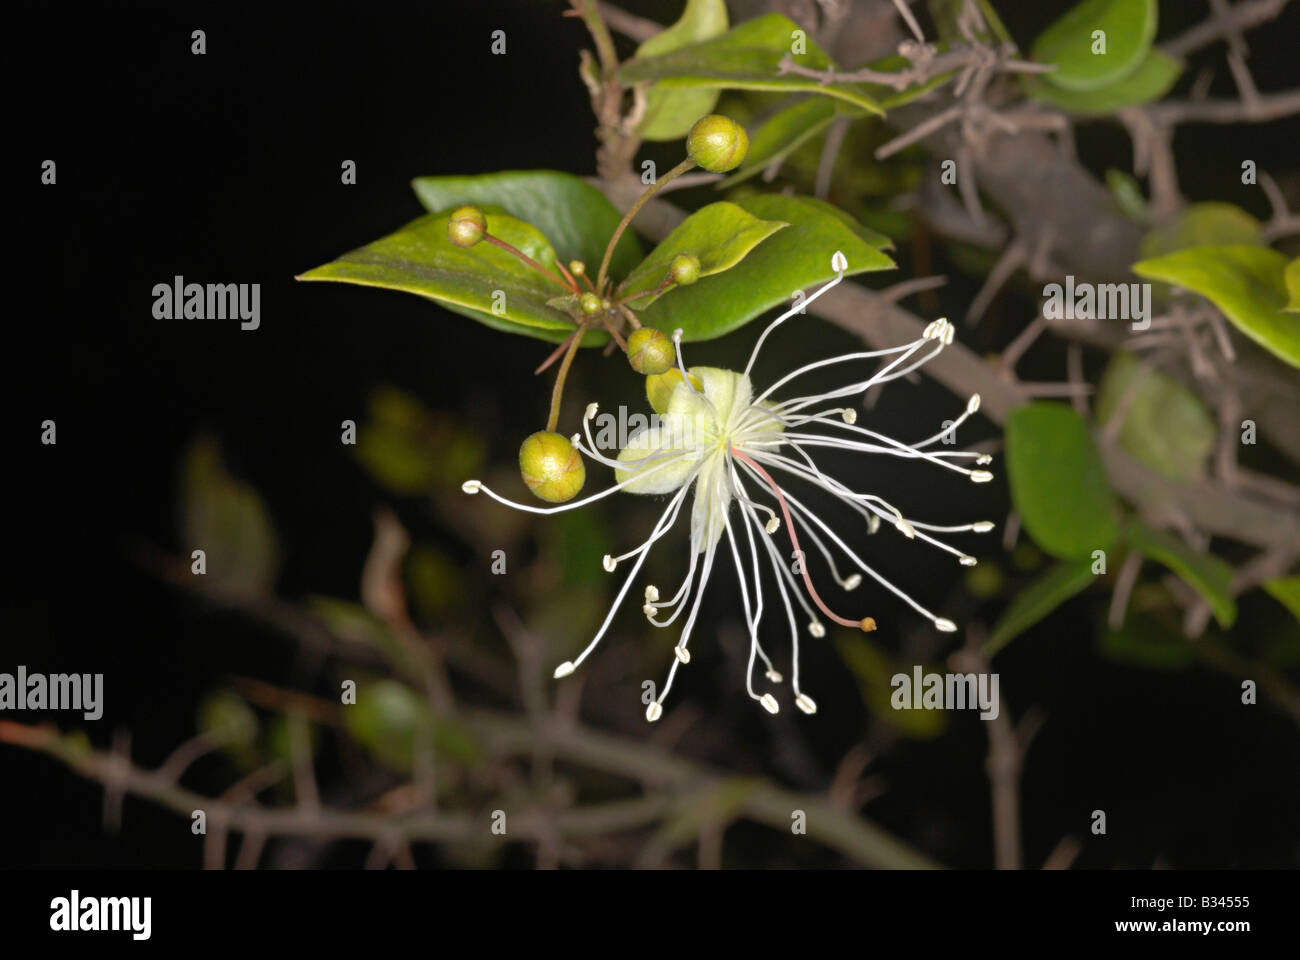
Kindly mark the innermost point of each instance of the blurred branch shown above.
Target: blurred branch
(1241, 16)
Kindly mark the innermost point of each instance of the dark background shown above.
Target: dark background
(225, 168)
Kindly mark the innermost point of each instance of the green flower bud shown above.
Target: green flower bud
(466, 226)
(685, 269)
(577, 267)
(717, 143)
(659, 388)
(649, 351)
(551, 468)
(591, 304)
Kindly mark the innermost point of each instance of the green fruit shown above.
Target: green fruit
(650, 352)
(717, 143)
(466, 226)
(685, 269)
(591, 304)
(551, 468)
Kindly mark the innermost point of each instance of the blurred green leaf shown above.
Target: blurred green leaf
(420, 259)
(670, 114)
(230, 721)
(1129, 27)
(387, 719)
(226, 519)
(1127, 193)
(434, 582)
(1201, 224)
(1144, 641)
(719, 236)
(409, 451)
(947, 13)
(1293, 286)
(574, 217)
(795, 258)
(747, 57)
(1205, 573)
(1166, 426)
(1247, 283)
(874, 670)
(1039, 598)
(1286, 591)
(1151, 80)
(1058, 483)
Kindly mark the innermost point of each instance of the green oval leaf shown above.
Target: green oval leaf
(1246, 282)
(670, 114)
(1151, 80)
(795, 258)
(1058, 482)
(1165, 425)
(1039, 598)
(1206, 574)
(575, 218)
(719, 235)
(747, 57)
(420, 259)
(1128, 27)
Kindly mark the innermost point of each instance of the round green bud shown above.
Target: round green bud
(550, 466)
(577, 267)
(466, 226)
(685, 269)
(717, 143)
(591, 304)
(607, 304)
(650, 352)
(659, 388)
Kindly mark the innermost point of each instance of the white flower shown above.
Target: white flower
(716, 437)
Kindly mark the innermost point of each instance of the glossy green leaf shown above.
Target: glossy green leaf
(719, 236)
(1286, 591)
(670, 114)
(1202, 224)
(1293, 286)
(573, 216)
(1039, 598)
(1151, 80)
(1166, 426)
(420, 259)
(226, 519)
(783, 133)
(1128, 27)
(797, 257)
(1146, 642)
(1058, 482)
(747, 57)
(1206, 574)
(1247, 283)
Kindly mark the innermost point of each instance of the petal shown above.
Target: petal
(654, 476)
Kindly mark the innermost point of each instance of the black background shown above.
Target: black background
(226, 168)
